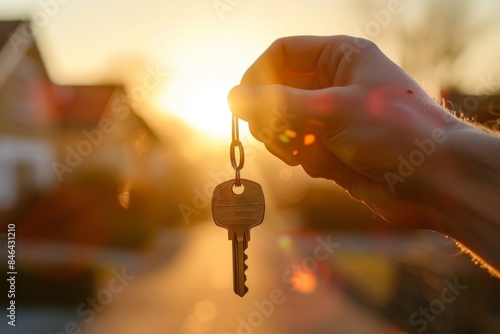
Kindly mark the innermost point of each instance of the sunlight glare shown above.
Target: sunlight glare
(203, 71)
(202, 104)
(204, 64)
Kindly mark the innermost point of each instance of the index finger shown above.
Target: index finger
(299, 54)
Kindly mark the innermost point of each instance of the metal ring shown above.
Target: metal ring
(237, 166)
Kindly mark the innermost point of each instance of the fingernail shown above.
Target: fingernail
(240, 98)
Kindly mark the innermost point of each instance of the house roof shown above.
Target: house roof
(35, 96)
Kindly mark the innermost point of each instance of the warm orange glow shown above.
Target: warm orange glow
(304, 281)
(309, 139)
(290, 133)
(286, 135)
(203, 68)
(202, 104)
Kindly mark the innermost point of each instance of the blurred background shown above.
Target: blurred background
(114, 131)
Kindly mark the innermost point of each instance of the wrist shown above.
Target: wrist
(466, 191)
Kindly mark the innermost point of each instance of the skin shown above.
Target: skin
(342, 110)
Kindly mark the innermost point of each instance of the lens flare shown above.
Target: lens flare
(285, 243)
(309, 139)
(304, 281)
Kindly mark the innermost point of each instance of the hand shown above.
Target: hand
(341, 109)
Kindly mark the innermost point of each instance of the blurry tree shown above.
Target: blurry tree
(433, 36)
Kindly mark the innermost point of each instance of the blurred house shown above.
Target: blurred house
(65, 150)
(82, 176)
(51, 133)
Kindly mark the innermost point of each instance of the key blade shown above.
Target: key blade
(240, 244)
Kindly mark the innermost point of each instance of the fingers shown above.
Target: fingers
(312, 62)
(259, 104)
(295, 54)
(275, 108)
(304, 89)
(307, 62)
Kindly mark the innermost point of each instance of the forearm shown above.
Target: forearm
(468, 193)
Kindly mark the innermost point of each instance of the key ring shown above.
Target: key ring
(235, 143)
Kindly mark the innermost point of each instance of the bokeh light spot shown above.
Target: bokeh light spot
(290, 133)
(285, 243)
(124, 195)
(304, 281)
(140, 142)
(205, 311)
(309, 139)
(284, 139)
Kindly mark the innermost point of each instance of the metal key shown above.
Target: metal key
(238, 213)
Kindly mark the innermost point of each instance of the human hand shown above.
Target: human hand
(343, 111)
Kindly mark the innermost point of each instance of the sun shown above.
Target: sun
(197, 88)
(201, 103)
(203, 67)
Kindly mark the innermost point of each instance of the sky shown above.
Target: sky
(201, 47)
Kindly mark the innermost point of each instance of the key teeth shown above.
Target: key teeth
(245, 266)
(241, 292)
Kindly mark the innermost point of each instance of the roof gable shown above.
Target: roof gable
(27, 93)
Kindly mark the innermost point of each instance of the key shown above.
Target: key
(238, 213)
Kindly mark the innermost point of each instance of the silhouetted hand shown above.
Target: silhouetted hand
(344, 111)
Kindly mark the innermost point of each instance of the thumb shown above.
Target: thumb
(259, 103)
(256, 103)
